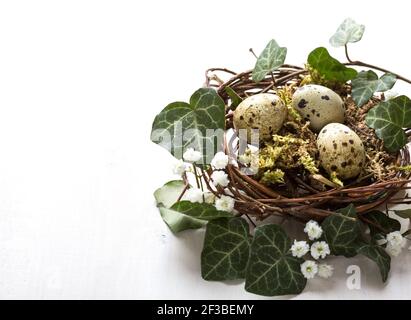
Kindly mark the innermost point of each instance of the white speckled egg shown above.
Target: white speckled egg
(319, 105)
(265, 112)
(341, 150)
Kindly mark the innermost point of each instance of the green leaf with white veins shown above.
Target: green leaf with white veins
(367, 83)
(388, 119)
(203, 211)
(181, 125)
(272, 269)
(226, 249)
(165, 197)
(348, 31)
(272, 57)
(379, 256)
(342, 231)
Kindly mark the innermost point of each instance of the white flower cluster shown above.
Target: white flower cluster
(180, 167)
(395, 243)
(220, 161)
(219, 178)
(191, 155)
(318, 250)
(310, 269)
(313, 230)
(223, 203)
(196, 195)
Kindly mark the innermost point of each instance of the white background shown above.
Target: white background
(80, 83)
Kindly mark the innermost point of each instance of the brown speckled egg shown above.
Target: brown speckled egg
(265, 112)
(319, 105)
(341, 150)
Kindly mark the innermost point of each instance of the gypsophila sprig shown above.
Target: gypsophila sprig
(225, 203)
(193, 195)
(325, 270)
(319, 249)
(395, 243)
(179, 167)
(309, 269)
(220, 178)
(299, 248)
(313, 230)
(220, 160)
(191, 155)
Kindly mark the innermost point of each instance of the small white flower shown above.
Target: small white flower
(393, 250)
(193, 195)
(179, 167)
(320, 249)
(313, 230)
(209, 197)
(191, 155)
(220, 178)
(325, 270)
(225, 203)
(309, 269)
(299, 248)
(396, 239)
(220, 160)
(395, 243)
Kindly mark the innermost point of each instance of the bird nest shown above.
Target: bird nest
(305, 196)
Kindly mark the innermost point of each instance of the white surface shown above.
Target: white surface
(80, 83)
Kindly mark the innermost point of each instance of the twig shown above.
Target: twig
(252, 51)
(367, 65)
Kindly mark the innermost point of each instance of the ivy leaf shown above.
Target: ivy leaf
(367, 83)
(226, 249)
(379, 256)
(328, 67)
(203, 211)
(272, 57)
(181, 125)
(405, 214)
(235, 98)
(165, 197)
(342, 231)
(348, 31)
(168, 194)
(272, 269)
(388, 118)
(383, 221)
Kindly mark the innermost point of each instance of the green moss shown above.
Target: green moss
(286, 95)
(286, 152)
(269, 156)
(273, 177)
(404, 168)
(308, 163)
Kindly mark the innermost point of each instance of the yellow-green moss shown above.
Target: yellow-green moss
(273, 177)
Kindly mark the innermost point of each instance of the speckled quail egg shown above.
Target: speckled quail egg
(264, 111)
(340, 150)
(319, 105)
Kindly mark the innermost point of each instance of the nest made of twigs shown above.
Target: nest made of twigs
(297, 198)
